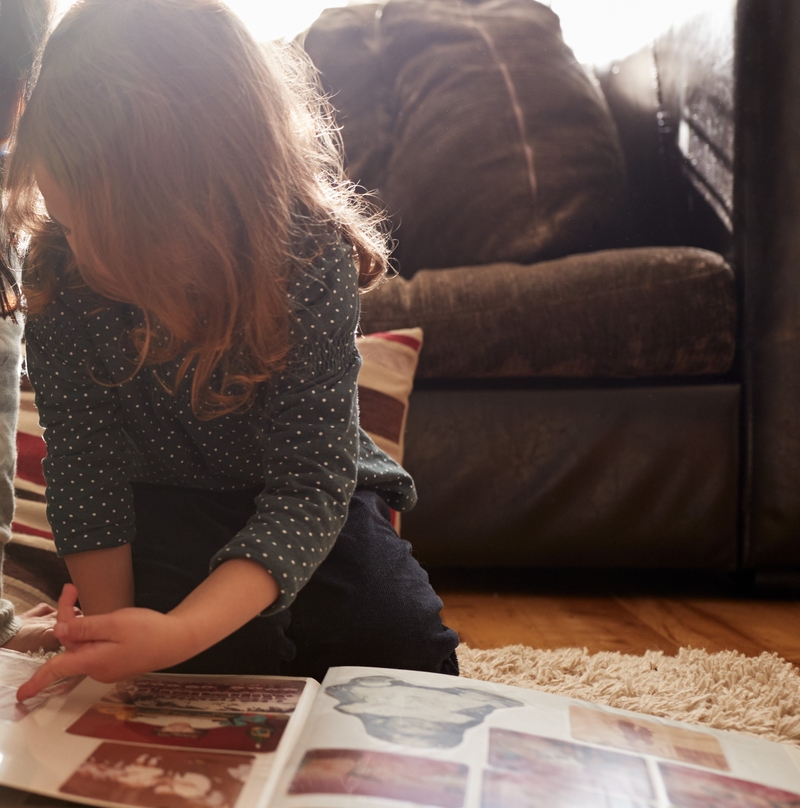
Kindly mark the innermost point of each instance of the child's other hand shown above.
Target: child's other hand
(110, 647)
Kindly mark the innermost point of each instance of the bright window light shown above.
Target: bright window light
(599, 31)
(279, 19)
(267, 19)
(596, 30)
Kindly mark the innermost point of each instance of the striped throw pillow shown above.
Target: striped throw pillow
(385, 383)
(384, 386)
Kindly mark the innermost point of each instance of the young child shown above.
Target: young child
(192, 302)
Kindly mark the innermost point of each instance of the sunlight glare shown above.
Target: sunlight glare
(596, 30)
(266, 19)
(599, 31)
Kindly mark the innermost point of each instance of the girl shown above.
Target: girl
(192, 300)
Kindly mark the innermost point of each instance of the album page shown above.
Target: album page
(378, 737)
(156, 741)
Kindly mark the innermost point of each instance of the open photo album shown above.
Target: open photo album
(364, 737)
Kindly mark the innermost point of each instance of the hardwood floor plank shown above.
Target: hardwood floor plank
(484, 620)
(686, 624)
(618, 612)
(772, 626)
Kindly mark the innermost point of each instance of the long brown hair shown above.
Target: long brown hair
(199, 166)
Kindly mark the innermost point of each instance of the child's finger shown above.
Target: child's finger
(87, 629)
(54, 669)
(66, 603)
(65, 614)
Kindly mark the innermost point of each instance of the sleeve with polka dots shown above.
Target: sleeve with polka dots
(310, 434)
(89, 501)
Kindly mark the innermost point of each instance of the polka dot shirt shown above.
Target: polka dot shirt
(301, 439)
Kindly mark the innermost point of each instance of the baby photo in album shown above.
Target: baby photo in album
(379, 774)
(141, 776)
(398, 711)
(226, 694)
(695, 788)
(649, 737)
(247, 715)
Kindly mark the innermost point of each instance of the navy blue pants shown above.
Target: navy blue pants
(368, 603)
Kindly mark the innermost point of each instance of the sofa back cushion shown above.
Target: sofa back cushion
(652, 311)
(475, 125)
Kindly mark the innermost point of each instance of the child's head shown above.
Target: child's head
(191, 160)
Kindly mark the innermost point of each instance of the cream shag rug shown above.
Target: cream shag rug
(727, 690)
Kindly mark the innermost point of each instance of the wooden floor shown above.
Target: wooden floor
(626, 612)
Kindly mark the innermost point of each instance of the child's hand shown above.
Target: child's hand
(110, 647)
(130, 641)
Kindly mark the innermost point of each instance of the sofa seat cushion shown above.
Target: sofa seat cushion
(646, 312)
(633, 477)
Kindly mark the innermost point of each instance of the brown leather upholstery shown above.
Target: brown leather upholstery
(481, 133)
(636, 477)
(768, 227)
(617, 313)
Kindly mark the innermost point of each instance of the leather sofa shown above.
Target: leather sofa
(631, 402)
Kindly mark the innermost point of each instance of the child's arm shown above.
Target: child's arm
(87, 461)
(104, 578)
(131, 641)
